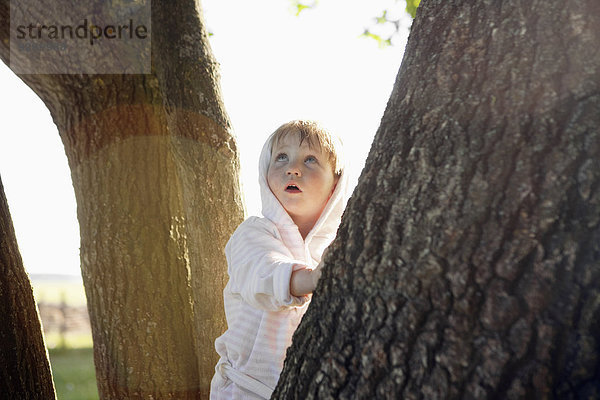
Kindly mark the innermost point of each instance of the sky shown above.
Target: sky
(275, 67)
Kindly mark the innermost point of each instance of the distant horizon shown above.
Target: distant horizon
(53, 276)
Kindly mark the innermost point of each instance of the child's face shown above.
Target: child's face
(301, 178)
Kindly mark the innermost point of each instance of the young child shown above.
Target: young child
(274, 262)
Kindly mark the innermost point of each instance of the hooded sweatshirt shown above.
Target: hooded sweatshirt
(261, 313)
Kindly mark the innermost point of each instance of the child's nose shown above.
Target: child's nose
(293, 170)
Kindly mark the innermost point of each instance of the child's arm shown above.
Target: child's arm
(304, 281)
(260, 267)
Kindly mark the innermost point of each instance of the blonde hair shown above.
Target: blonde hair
(316, 136)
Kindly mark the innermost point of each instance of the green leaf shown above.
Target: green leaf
(411, 7)
(300, 5)
(383, 19)
(381, 42)
(300, 8)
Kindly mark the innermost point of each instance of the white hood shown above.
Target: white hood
(326, 226)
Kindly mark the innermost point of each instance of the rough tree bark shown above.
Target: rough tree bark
(155, 171)
(467, 264)
(24, 367)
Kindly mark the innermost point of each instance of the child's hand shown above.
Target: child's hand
(304, 281)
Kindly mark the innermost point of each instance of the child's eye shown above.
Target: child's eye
(310, 159)
(281, 157)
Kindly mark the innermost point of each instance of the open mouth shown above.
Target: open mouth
(292, 189)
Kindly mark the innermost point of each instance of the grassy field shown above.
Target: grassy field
(71, 354)
(74, 375)
(68, 340)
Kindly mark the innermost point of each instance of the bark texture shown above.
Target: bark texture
(467, 264)
(155, 171)
(24, 367)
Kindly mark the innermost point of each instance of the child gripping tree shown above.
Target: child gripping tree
(274, 261)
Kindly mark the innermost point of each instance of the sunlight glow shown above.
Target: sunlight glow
(275, 67)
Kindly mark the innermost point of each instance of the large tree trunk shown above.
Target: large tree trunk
(24, 367)
(155, 172)
(467, 264)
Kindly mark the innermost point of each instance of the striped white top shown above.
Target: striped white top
(261, 313)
